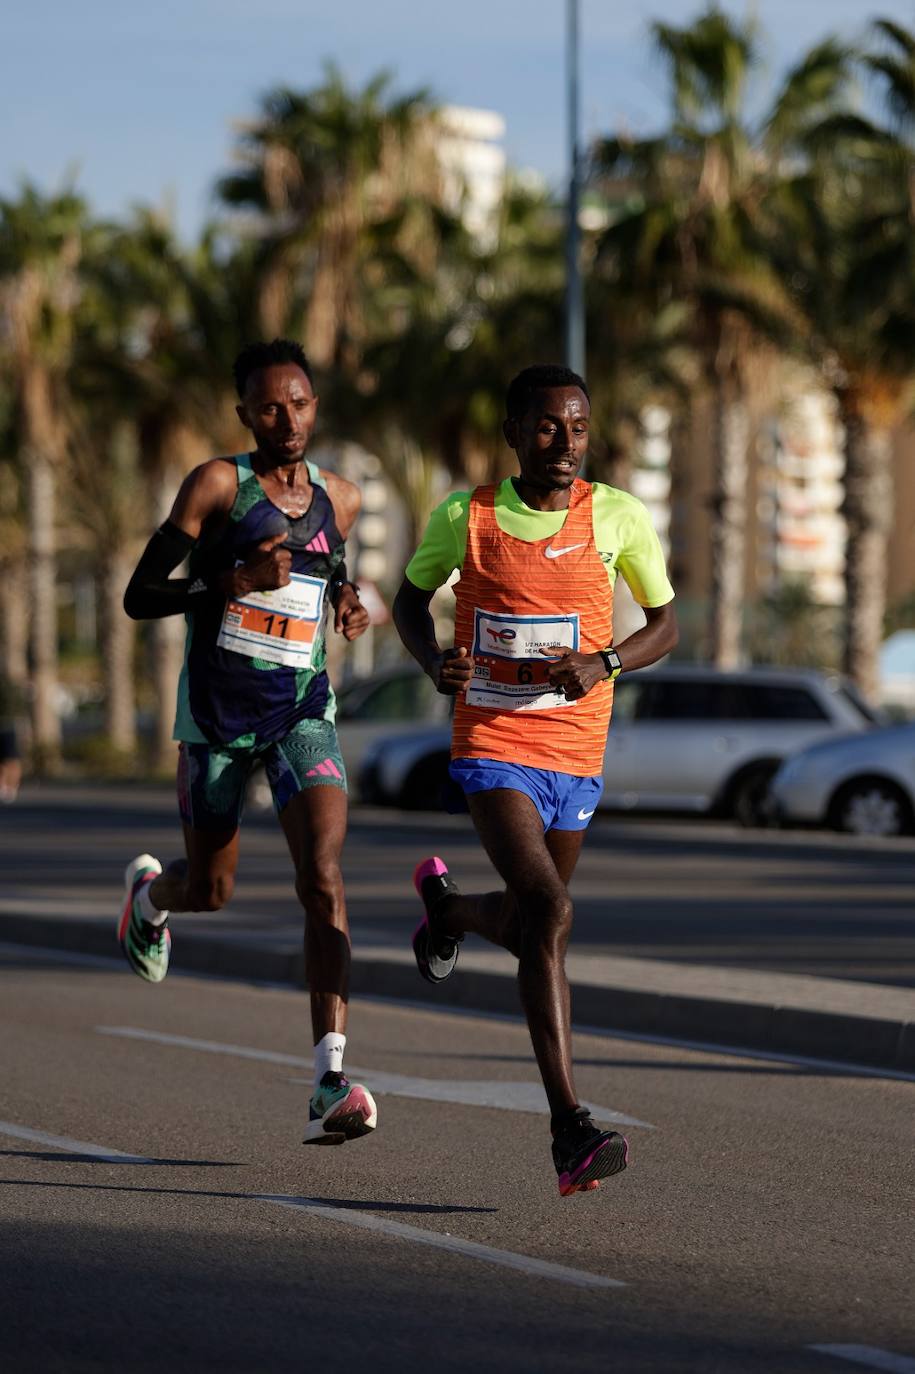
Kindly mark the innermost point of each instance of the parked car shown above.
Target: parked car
(863, 784)
(390, 704)
(683, 738)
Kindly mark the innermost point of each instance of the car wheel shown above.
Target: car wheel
(748, 795)
(422, 789)
(871, 806)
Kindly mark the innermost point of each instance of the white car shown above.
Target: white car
(863, 784)
(683, 738)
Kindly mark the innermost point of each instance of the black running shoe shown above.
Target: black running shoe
(583, 1155)
(436, 953)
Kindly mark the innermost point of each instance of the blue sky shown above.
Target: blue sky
(139, 100)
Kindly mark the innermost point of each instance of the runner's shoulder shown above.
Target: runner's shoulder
(211, 486)
(612, 503)
(615, 497)
(345, 497)
(454, 507)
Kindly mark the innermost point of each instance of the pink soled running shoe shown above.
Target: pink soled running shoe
(583, 1155)
(436, 952)
(339, 1111)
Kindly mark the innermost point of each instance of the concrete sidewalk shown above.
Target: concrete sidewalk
(851, 1022)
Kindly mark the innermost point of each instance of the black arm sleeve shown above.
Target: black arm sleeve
(151, 592)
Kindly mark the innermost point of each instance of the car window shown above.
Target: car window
(849, 693)
(770, 701)
(684, 699)
(411, 697)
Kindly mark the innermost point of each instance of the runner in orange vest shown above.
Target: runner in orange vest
(532, 671)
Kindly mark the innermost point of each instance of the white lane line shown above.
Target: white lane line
(869, 1355)
(512, 1097)
(73, 1147)
(185, 1042)
(508, 1259)
(846, 1068)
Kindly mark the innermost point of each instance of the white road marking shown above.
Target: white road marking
(512, 1097)
(508, 1259)
(870, 1356)
(73, 1147)
(839, 1066)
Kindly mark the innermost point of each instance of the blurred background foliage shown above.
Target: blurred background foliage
(722, 249)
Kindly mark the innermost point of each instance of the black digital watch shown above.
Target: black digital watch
(611, 663)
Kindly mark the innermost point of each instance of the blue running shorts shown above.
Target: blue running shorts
(565, 802)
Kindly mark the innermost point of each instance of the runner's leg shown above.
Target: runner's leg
(314, 823)
(511, 831)
(205, 879)
(494, 915)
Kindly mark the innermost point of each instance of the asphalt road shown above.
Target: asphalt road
(767, 1210)
(693, 891)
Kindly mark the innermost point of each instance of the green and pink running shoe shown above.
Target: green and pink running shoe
(436, 952)
(146, 947)
(339, 1111)
(583, 1155)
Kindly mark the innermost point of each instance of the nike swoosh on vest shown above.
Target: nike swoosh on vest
(550, 552)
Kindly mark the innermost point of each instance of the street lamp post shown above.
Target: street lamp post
(574, 301)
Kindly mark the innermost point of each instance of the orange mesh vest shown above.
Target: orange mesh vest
(515, 598)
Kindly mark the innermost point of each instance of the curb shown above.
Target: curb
(868, 1041)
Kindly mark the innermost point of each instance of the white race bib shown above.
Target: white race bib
(279, 626)
(510, 660)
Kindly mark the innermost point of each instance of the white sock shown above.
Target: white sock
(150, 913)
(329, 1055)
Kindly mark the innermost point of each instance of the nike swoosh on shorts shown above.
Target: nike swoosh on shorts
(583, 815)
(557, 553)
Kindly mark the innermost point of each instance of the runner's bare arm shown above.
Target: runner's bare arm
(450, 669)
(351, 619)
(575, 674)
(205, 494)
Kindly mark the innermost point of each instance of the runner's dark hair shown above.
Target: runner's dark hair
(254, 356)
(539, 377)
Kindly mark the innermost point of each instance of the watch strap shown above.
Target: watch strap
(611, 663)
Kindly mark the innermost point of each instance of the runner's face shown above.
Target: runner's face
(551, 438)
(279, 407)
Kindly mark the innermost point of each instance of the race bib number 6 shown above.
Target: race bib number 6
(279, 626)
(511, 655)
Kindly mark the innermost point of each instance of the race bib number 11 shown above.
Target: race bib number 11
(511, 656)
(279, 626)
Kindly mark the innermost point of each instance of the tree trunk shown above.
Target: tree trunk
(118, 636)
(14, 608)
(728, 533)
(46, 732)
(868, 511)
(164, 443)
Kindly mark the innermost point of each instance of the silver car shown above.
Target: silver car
(863, 785)
(683, 738)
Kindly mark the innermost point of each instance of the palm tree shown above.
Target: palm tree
(846, 247)
(40, 247)
(691, 230)
(321, 171)
(429, 396)
(14, 599)
(152, 367)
